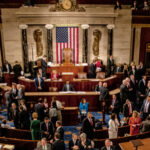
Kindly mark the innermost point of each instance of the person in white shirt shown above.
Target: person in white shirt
(113, 127)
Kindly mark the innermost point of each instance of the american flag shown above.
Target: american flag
(67, 37)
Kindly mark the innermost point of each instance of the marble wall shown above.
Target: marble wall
(97, 16)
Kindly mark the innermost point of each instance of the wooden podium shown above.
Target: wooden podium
(67, 57)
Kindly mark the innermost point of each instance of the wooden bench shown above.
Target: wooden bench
(115, 91)
(103, 133)
(101, 142)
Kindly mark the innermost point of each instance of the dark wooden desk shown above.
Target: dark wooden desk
(70, 116)
(78, 84)
(8, 77)
(129, 145)
(69, 99)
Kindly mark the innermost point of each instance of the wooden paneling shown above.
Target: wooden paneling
(145, 38)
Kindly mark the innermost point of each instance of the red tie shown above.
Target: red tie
(91, 122)
(47, 126)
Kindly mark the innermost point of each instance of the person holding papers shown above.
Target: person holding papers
(83, 108)
(68, 87)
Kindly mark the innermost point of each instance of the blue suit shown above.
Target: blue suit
(83, 107)
(37, 83)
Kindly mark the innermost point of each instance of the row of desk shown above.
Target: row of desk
(78, 84)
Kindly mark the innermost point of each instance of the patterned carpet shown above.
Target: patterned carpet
(68, 129)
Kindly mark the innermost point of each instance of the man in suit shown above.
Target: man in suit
(44, 66)
(145, 109)
(118, 68)
(68, 87)
(58, 144)
(115, 106)
(142, 86)
(110, 66)
(39, 83)
(141, 71)
(40, 110)
(92, 69)
(43, 145)
(47, 129)
(148, 89)
(84, 143)
(108, 145)
(17, 71)
(73, 143)
(13, 115)
(124, 92)
(127, 109)
(20, 94)
(145, 126)
(99, 87)
(88, 126)
(104, 93)
(7, 67)
(13, 95)
(60, 129)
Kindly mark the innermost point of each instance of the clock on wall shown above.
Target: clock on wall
(67, 4)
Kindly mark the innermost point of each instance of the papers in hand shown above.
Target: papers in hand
(10, 147)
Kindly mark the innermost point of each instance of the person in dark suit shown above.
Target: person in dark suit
(118, 68)
(145, 109)
(99, 87)
(39, 83)
(127, 109)
(124, 92)
(58, 144)
(92, 69)
(148, 89)
(142, 86)
(24, 122)
(84, 143)
(73, 142)
(13, 95)
(115, 106)
(14, 115)
(141, 71)
(88, 126)
(68, 87)
(145, 126)
(44, 66)
(108, 145)
(17, 71)
(104, 93)
(60, 129)
(43, 145)
(39, 108)
(110, 66)
(20, 93)
(47, 129)
(133, 88)
(133, 71)
(7, 67)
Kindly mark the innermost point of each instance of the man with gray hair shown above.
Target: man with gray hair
(84, 143)
(108, 145)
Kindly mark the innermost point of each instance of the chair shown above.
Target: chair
(100, 75)
(82, 75)
(53, 89)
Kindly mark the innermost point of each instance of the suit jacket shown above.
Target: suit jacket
(44, 129)
(92, 71)
(98, 88)
(83, 107)
(145, 126)
(58, 145)
(116, 107)
(40, 110)
(37, 83)
(104, 95)
(49, 147)
(110, 64)
(71, 88)
(17, 70)
(88, 128)
(14, 116)
(61, 132)
(142, 87)
(126, 110)
(13, 94)
(87, 143)
(44, 67)
(71, 143)
(124, 93)
(5, 68)
(118, 69)
(143, 106)
(111, 148)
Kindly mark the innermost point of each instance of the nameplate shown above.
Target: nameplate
(67, 73)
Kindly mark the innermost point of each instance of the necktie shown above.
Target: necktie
(91, 122)
(39, 82)
(47, 126)
(145, 108)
